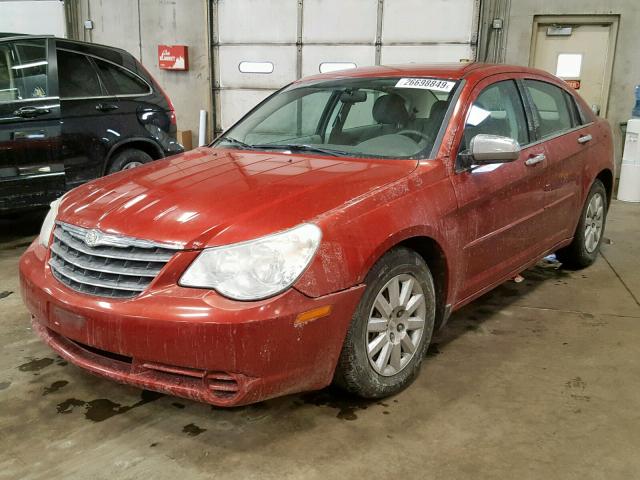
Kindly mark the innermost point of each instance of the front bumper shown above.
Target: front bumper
(189, 342)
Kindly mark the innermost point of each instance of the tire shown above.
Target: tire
(129, 158)
(376, 377)
(583, 250)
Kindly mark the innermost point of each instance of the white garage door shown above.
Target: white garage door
(37, 17)
(281, 40)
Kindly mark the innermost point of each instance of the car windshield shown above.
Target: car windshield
(362, 117)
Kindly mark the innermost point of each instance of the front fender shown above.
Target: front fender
(356, 235)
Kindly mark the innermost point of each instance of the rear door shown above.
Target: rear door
(31, 170)
(500, 205)
(138, 110)
(567, 142)
(85, 128)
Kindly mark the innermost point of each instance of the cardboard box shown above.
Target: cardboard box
(185, 139)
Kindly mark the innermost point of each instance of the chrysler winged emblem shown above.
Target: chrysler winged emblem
(92, 238)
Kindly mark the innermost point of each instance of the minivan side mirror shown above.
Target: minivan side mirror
(487, 149)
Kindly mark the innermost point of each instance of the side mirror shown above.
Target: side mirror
(487, 149)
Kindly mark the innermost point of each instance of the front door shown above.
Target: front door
(500, 205)
(31, 170)
(580, 51)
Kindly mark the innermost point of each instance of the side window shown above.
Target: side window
(294, 120)
(119, 81)
(498, 110)
(76, 76)
(553, 110)
(23, 70)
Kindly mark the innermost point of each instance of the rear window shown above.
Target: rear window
(120, 81)
(76, 76)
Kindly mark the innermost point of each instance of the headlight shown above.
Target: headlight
(49, 222)
(258, 268)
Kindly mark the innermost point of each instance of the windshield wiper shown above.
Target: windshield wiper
(235, 141)
(294, 147)
(301, 147)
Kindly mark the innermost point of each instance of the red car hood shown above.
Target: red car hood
(212, 197)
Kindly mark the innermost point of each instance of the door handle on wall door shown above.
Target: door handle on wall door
(585, 138)
(534, 160)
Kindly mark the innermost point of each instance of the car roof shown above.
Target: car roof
(453, 71)
(16, 36)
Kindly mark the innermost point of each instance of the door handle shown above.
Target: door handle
(106, 107)
(33, 135)
(585, 138)
(30, 112)
(534, 160)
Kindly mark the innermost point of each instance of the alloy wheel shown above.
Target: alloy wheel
(130, 165)
(396, 324)
(594, 222)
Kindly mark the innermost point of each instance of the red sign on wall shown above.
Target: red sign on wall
(173, 57)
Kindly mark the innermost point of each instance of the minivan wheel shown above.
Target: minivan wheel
(391, 328)
(584, 248)
(129, 158)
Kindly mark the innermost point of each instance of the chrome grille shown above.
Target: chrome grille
(105, 265)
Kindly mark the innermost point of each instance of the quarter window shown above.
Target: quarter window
(498, 110)
(119, 81)
(76, 76)
(553, 109)
(23, 70)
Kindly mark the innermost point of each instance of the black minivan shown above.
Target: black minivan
(71, 112)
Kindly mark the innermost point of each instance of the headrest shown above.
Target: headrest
(390, 110)
(438, 109)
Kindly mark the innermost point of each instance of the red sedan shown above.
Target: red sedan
(325, 236)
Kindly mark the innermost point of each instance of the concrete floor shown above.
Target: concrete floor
(534, 380)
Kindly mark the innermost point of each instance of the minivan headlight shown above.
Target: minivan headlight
(49, 222)
(258, 268)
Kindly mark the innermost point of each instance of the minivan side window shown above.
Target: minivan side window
(23, 70)
(76, 76)
(498, 110)
(119, 81)
(552, 107)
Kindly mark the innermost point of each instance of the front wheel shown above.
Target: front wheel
(583, 250)
(391, 328)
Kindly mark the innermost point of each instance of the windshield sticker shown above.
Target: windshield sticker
(426, 84)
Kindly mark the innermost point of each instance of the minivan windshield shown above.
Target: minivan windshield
(362, 117)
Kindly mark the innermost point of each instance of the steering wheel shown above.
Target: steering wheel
(415, 133)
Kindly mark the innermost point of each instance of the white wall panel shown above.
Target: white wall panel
(257, 21)
(425, 54)
(339, 21)
(314, 55)
(33, 17)
(410, 21)
(283, 58)
(116, 23)
(235, 103)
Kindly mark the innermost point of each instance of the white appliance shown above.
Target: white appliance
(629, 187)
